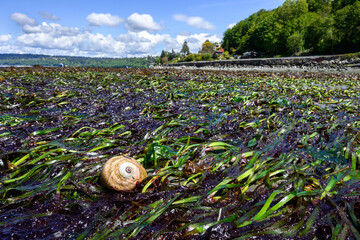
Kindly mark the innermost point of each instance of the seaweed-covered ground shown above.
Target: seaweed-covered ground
(230, 155)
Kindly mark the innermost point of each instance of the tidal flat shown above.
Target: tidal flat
(229, 154)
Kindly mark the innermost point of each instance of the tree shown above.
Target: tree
(208, 47)
(163, 54)
(314, 26)
(339, 4)
(185, 49)
(164, 60)
(295, 43)
(316, 5)
(206, 57)
(163, 57)
(240, 38)
(347, 23)
(319, 34)
(172, 55)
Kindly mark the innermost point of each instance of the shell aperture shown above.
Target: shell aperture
(127, 170)
(122, 173)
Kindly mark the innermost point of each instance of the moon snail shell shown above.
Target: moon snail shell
(122, 173)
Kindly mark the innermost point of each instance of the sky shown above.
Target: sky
(117, 28)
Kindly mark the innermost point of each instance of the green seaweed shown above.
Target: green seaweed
(229, 154)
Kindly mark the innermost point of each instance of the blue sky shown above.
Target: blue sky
(116, 28)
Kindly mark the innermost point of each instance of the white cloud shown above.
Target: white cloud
(23, 19)
(142, 22)
(98, 43)
(48, 16)
(196, 22)
(101, 19)
(51, 28)
(180, 17)
(64, 31)
(192, 40)
(143, 42)
(231, 25)
(51, 36)
(185, 33)
(44, 27)
(55, 39)
(5, 38)
(74, 42)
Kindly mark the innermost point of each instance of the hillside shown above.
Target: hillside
(52, 61)
(298, 27)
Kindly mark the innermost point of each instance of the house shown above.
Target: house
(219, 52)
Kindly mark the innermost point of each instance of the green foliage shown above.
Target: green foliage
(339, 4)
(185, 49)
(198, 57)
(172, 55)
(226, 55)
(193, 57)
(208, 47)
(190, 58)
(347, 25)
(167, 57)
(299, 26)
(295, 43)
(163, 54)
(206, 57)
(319, 35)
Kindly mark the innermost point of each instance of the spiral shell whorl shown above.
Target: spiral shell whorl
(122, 173)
